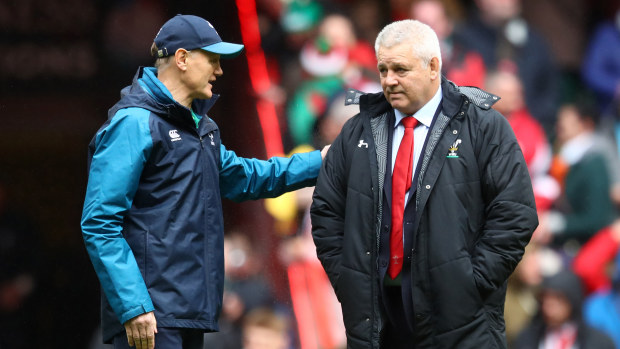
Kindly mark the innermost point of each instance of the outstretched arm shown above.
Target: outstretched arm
(249, 179)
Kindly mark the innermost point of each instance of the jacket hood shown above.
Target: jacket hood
(146, 91)
(569, 284)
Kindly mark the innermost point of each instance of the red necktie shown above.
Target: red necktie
(401, 182)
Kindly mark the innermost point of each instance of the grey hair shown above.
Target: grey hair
(422, 38)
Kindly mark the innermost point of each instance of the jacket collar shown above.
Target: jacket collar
(452, 98)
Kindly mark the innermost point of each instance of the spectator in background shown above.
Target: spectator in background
(601, 65)
(601, 309)
(531, 136)
(334, 60)
(359, 71)
(598, 265)
(460, 64)
(559, 322)
(521, 304)
(498, 32)
(581, 168)
(245, 288)
(595, 257)
(265, 329)
(297, 24)
(368, 17)
(564, 25)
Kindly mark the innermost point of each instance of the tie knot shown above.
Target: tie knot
(409, 121)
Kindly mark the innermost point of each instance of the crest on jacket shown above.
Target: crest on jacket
(453, 149)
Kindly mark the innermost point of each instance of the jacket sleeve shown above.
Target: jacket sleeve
(250, 179)
(328, 211)
(510, 212)
(121, 150)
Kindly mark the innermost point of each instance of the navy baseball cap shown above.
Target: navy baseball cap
(192, 32)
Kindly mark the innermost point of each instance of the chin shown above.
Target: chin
(397, 104)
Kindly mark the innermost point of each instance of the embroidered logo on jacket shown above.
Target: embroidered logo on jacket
(174, 135)
(455, 146)
(362, 143)
(211, 136)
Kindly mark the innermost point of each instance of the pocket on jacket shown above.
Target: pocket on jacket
(355, 296)
(457, 299)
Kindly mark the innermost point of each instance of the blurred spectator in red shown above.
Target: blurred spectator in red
(460, 64)
(506, 84)
(263, 328)
(593, 261)
(559, 322)
(360, 70)
(601, 66)
(598, 265)
(334, 60)
(498, 32)
(582, 169)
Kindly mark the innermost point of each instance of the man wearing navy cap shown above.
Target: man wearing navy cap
(152, 220)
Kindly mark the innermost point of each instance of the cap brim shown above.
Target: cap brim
(225, 49)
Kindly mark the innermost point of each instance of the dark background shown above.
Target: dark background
(63, 64)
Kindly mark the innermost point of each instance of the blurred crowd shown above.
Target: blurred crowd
(556, 66)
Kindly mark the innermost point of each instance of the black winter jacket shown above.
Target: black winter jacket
(475, 214)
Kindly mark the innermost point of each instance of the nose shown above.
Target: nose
(218, 72)
(390, 79)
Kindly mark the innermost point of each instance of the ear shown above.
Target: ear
(180, 58)
(434, 65)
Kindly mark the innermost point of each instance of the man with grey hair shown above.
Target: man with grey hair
(423, 206)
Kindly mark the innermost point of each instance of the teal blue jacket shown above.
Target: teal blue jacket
(152, 218)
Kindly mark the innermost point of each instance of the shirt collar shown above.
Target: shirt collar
(426, 113)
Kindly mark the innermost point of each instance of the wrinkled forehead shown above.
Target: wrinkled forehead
(402, 53)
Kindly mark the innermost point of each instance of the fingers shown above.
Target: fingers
(150, 340)
(141, 331)
(143, 340)
(130, 340)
